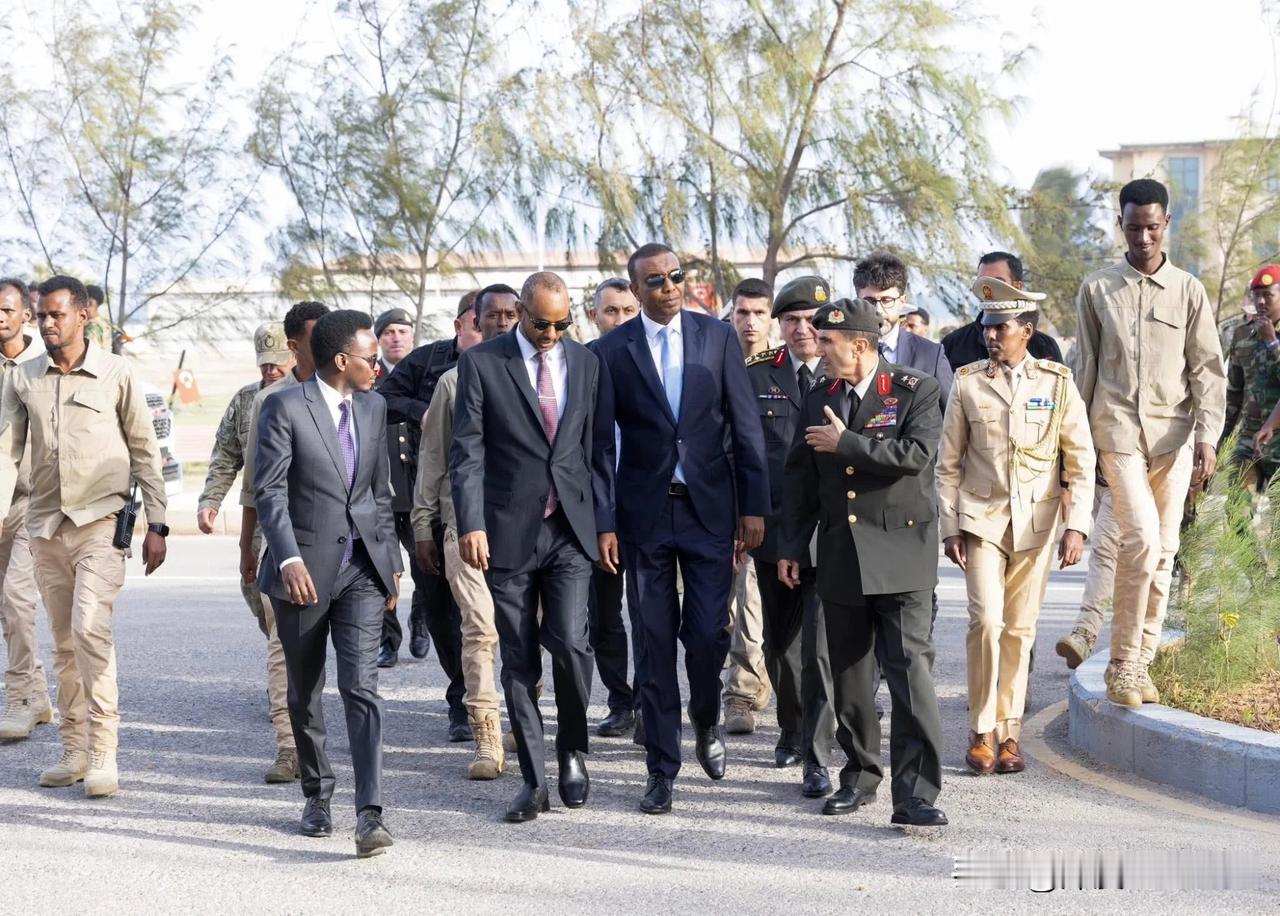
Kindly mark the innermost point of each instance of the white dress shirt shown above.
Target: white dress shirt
(889, 343)
(332, 400)
(675, 348)
(862, 387)
(556, 362)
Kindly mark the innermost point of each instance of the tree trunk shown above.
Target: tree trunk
(117, 340)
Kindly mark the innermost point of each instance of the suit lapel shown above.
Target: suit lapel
(574, 380)
(520, 375)
(691, 347)
(874, 401)
(784, 378)
(638, 347)
(906, 348)
(363, 407)
(324, 425)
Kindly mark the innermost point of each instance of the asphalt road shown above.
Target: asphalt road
(195, 829)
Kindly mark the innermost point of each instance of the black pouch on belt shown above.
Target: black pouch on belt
(125, 520)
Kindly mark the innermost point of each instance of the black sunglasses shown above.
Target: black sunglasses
(656, 281)
(541, 324)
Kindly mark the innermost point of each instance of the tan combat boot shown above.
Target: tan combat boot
(1148, 687)
(22, 716)
(763, 695)
(285, 769)
(1124, 689)
(1076, 646)
(490, 760)
(738, 718)
(68, 771)
(103, 778)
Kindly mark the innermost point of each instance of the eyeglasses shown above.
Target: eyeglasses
(657, 281)
(371, 360)
(884, 300)
(541, 324)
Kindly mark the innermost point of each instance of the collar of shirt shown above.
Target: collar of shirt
(652, 328)
(811, 363)
(91, 364)
(1018, 371)
(862, 387)
(33, 350)
(1159, 278)
(889, 341)
(332, 398)
(528, 351)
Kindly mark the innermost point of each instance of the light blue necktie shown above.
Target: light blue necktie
(671, 383)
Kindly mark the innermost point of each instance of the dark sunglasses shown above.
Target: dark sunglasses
(541, 324)
(371, 360)
(656, 281)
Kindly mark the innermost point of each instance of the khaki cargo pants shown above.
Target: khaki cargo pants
(24, 677)
(479, 631)
(277, 677)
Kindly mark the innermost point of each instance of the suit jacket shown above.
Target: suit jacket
(778, 404)
(873, 498)
(926, 356)
(501, 465)
(965, 345)
(717, 417)
(977, 493)
(304, 506)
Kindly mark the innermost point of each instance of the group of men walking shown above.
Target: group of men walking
(535, 481)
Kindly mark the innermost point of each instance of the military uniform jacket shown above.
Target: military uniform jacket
(403, 461)
(999, 461)
(873, 499)
(229, 445)
(779, 401)
(1253, 387)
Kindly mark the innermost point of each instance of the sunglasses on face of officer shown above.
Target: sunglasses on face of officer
(541, 324)
(657, 281)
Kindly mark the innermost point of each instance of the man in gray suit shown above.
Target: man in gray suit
(332, 562)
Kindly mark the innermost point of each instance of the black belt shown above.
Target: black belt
(677, 489)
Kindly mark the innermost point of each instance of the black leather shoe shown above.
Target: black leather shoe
(388, 657)
(419, 639)
(616, 724)
(528, 804)
(817, 784)
(710, 750)
(315, 817)
(372, 836)
(786, 756)
(918, 813)
(847, 800)
(575, 784)
(637, 737)
(657, 795)
(459, 732)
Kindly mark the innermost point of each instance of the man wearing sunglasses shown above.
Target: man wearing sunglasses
(519, 466)
(675, 383)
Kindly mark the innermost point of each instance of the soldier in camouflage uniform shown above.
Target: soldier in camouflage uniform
(274, 360)
(1253, 382)
(97, 329)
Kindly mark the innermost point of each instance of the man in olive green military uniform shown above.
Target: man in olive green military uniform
(1015, 431)
(1253, 381)
(795, 639)
(229, 446)
(98, 328)
(862, 464)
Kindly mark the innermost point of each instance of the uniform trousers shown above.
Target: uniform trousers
(479, 630)
(1148, 495)
(80, 573)
(785, 611)
(1100, 581)
(24, 676)
(748, 671)
(277, 675)
(1006, 588)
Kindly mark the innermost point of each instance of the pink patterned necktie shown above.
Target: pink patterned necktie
(550, 418)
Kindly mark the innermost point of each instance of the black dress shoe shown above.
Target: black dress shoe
(575, 784)
(785, 756)
(372, 836)
(388, 657)
(918, 813)
(709, 747)
(460, 731)
(315, 817)
(847, 800)
(817, 784)
(419, 639)
(657, 795)
(528, 804)
(637, 736)
(616, 724)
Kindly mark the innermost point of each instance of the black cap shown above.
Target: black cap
(801, 294)
(390, 317)
(848, 315)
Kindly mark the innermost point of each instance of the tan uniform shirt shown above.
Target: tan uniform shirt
(432, 496)
(90, 431)
(33, 350)
(1148, 360)
(984, 486)
(251, 443)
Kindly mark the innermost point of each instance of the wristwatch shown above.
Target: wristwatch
(162, 530)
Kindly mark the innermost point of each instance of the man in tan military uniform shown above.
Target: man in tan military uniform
(1009, 420)
(229, 446)
(26, 694)
(89, 431)
(1149, 367)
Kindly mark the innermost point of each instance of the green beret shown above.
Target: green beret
(848, 315)
(801, 294)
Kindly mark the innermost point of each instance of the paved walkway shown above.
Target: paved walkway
(195, 829)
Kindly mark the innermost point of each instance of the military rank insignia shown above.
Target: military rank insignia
(882, 384)
(1040, 404)
(909, 380)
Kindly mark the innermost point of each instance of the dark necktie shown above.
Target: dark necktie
(347, 445)
(854, 403)
(805, 379)
(550, 418)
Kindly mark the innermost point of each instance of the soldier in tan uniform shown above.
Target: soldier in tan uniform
(89, 431)
(1149, 367)
(229, 446)
(1009, 420)
(25, 691)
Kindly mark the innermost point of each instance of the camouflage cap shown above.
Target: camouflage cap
(800, 294)
(270, 344)
(848, 315)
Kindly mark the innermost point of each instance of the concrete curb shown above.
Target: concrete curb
(1227, 763)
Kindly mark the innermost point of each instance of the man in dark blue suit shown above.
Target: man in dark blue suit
(676, 385)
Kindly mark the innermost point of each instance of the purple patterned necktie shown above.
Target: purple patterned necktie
(347, 443)
(550, 418)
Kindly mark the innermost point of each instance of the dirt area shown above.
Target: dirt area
(1254, 705)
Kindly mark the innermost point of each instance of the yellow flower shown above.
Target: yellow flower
(1230, 620)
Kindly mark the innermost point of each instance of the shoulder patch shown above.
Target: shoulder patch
(766, 356)
(1056, 368)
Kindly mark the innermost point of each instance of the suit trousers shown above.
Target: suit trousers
(1006, 588)
(658, 618)
(748, 669)
(900, 623)
(433, 603)
(609, 637)
(557, 575)
(1148, 495)
(80, 573)
(1100, 581)
(24, 676)
(277, 676)
(479, 630)
(352, 617)
(784, 610)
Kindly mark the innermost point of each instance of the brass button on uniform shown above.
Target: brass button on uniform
(910, 522)
(851, 495)
(849, 471)
(769, 413)
(402, 438)
(852, 519)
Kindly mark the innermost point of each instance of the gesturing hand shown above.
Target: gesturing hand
(826, 437)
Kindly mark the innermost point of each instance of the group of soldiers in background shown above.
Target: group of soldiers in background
(859, 411)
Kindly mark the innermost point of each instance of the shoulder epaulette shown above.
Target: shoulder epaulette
(972, 367)
(906, 379)
(1049, 365)
(766, 356)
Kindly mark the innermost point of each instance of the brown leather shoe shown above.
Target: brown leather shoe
(1010, 758)
(981, 755)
